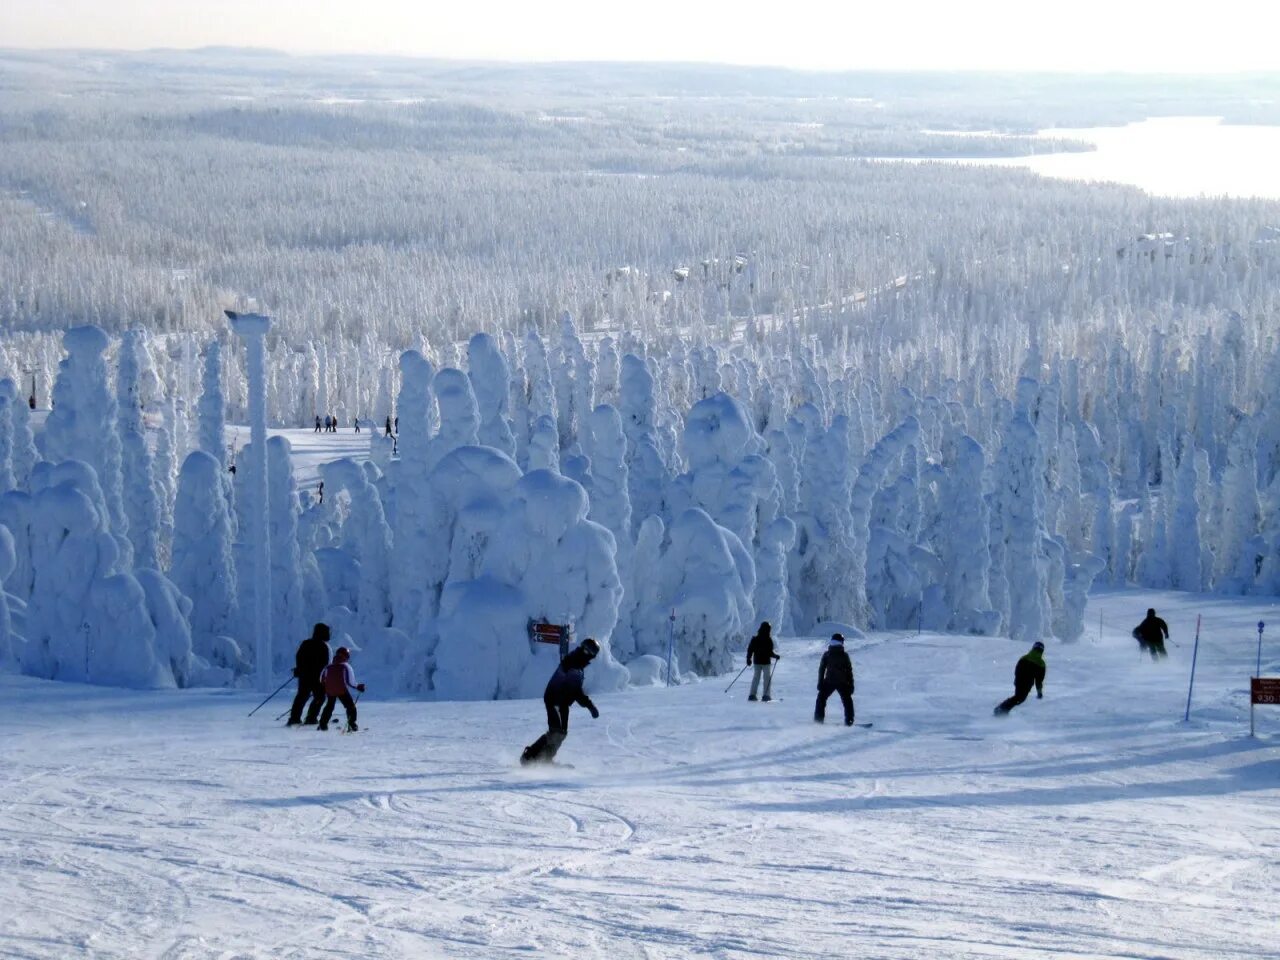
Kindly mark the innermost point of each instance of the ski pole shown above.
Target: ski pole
(735, 679)
(288, 680)
(283, 715)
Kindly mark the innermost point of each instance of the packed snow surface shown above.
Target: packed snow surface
(1092, 823)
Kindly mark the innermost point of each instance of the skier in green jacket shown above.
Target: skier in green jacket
(1028, 673)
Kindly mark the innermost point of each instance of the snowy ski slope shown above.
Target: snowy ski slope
(1092, 823)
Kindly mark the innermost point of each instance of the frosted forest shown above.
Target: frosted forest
(948, 377)
(862, 410)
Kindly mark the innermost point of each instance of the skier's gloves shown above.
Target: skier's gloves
(595, 713)
(777, 656)
(360, 687)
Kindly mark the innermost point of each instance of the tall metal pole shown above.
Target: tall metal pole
(1195, 652)
(252, 329)
(671, 642)
(1257, 672)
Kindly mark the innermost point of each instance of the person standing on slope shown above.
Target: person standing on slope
(563, 690)
(1028, 673)
(1151, 634)
(761, 653)
(835, 675)
(317, 423)
(339, 679)
(309, 662)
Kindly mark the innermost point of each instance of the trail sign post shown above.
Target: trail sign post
(557, 633)
(1264, 690)
(671, 642)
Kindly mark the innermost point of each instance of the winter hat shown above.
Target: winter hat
(836, 638)
(765, 628)
(320, 632)
(1038, 646)
(342, 656)
(590, 647)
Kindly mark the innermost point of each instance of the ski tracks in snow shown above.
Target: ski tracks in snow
(1088, 824)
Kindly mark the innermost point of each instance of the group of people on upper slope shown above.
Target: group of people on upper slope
(323, 682)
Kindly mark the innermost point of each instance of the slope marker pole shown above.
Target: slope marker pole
(1195, 652)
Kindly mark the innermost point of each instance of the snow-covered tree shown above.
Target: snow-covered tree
(202, 565)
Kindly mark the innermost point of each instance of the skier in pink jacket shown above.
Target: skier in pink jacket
(339, 679)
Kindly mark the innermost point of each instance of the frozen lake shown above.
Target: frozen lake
(1169, 156)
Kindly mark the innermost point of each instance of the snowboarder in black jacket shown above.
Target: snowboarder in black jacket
(1029, 672)
(310, 661)
(761, 653)
(1151, 634)
(563, 690)
(835, 675)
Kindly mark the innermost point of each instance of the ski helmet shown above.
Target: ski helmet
(342, 654)
(590, 647)
(837, 638)
(1037, 646)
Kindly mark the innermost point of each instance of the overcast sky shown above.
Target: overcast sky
(1076, 35)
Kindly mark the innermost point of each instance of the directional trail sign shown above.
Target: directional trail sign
(556, 633)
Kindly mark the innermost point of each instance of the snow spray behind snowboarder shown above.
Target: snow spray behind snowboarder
(835, 675)
(1151, 634)
(563, 690)
(309, 662)
(761, 653)
(1028, 673)
(339, 679)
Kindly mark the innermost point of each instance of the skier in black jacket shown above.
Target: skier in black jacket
(761, 653)
(563, 689)
(835, 675)
(1151, 634)
(1029, 672)
(311, 659)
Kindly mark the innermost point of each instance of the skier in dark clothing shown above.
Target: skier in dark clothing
(761, 654)
(339, 679)
(563, 689)
(835, 675)
(1027, 674)
(310, 661)
(388, 429)
(317, 424)
(356, 422)
(1151, 634)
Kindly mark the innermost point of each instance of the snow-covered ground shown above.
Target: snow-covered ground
(310, 449)
(1092, 823)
